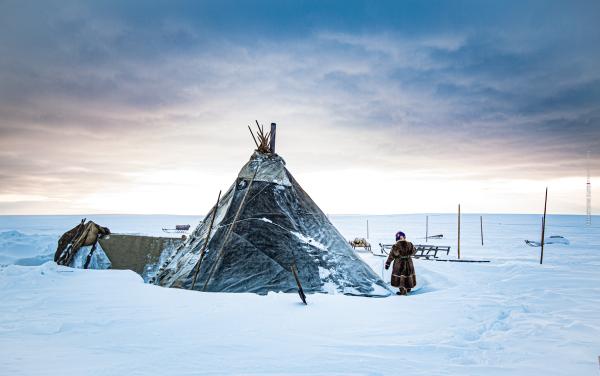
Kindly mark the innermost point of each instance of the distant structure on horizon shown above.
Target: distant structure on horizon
(588, 195)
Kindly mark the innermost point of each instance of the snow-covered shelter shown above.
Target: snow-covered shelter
(261, 228)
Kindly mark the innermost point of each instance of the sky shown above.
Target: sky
(382, 107)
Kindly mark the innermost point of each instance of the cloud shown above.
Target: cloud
(93, 95)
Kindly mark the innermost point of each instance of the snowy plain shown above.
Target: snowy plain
(511, 316)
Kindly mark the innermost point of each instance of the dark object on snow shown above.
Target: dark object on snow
(265, 224)
(455, 260)
(403, 270)
(82, 235)
(177, 229)
(360, 243)
(439, 236)
(554, 239)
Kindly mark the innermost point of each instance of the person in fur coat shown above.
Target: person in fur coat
(403, 270)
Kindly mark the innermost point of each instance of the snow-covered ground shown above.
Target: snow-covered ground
(509, 317)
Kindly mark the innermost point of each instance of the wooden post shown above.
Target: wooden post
(230, 230)
(272, 141)
(297, 278)
(543, 227)
(459, 231)
(481, 225)
(254, 138)
(426, 228)
(203, 251)
(367, 229)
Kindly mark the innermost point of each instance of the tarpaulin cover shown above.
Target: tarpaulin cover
(278, 225)
(99, 259)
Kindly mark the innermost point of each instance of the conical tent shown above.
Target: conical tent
(263, 225)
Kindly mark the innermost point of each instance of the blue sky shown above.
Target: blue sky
(143, 106)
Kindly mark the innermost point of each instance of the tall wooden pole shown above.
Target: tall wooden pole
(426, 228)
(481, 225)
(543, 227)
(272, 140)
(367, 229)
(459, 231)
(203, 251)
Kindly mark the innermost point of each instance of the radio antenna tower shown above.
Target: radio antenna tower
(588, 195)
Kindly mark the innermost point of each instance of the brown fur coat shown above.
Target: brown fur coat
(403, 270)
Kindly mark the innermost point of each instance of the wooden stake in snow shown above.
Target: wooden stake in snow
(481, 225)
(543, 227)
(300, 289)
(367, 229)
(426, 228)
(459, 231)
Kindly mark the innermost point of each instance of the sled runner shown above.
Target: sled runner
(423, 250)
(177, 229)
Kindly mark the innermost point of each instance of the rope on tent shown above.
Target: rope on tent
(214, 266)
(266, 213)
(203, 251)
(283, 228)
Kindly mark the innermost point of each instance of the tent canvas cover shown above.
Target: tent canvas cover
(264, 224)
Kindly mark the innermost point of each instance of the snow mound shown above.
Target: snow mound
(19, 248)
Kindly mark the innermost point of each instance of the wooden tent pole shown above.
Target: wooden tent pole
(481, 225)
(426, 228)
(273, 133)
(254, 138)
(459, 231)
(543, 227)
(203, 251)
(230, 230)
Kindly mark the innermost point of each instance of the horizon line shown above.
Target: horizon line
(327, 214)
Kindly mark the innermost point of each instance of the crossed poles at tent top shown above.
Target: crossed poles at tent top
(262, 145)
